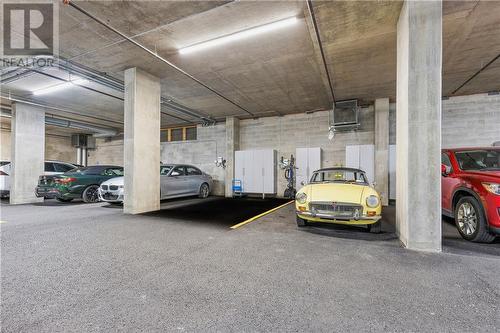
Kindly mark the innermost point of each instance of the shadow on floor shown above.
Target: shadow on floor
(358, 232)
(216, 210)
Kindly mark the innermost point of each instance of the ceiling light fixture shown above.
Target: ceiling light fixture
(239, 35)
(61, 86)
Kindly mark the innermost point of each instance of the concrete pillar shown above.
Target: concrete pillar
(141, 142)
(232, 144)
(382, 148)
(418, 122)
(27, 152)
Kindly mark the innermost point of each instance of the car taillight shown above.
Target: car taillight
(65, 180)
(3, 173)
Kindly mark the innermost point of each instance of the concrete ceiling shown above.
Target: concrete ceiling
(273, 74)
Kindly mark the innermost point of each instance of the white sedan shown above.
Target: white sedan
(176, 180)
(51, 168)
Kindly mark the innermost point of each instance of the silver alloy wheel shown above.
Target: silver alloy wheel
(467, 218)
(204, 190)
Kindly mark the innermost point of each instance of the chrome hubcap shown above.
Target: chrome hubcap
(467, 219)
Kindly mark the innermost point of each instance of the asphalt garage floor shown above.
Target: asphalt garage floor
(77, 267)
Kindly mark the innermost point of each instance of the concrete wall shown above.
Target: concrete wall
(210, 143)
(56, 148)
(478, 114)
(106, 152)
(287, 133)
(472, 120)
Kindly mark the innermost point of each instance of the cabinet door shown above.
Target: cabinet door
(367, 161)
(352, 156)
(313, 161)
(268, 171)
(301, 162)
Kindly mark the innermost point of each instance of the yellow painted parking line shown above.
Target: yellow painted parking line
(259, 216)
(3, 221)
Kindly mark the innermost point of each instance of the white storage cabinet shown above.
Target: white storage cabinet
(361, 157)
(257, 170)
(307, 160)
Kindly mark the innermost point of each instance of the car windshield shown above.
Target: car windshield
(340, 176)
(480, 159)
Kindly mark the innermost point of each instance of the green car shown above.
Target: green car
(77, 183)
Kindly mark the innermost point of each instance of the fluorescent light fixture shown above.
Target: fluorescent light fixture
(60, 86)
(239, 35)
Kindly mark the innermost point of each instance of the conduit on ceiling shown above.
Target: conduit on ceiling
(178, 69)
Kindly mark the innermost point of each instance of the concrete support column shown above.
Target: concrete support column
(27, 152)
(382, 148)
(232, 144)
(418, 122)
(141, 142)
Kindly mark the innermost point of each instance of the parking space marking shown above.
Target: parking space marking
(260, 215)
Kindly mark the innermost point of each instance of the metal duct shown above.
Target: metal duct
(99, 132)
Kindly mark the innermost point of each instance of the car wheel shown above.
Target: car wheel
(204, 191)
(64, 200)
(301, 222)
(471, 222)
(375, 228)
(90, 194)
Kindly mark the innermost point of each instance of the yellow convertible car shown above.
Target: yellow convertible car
(339, 195)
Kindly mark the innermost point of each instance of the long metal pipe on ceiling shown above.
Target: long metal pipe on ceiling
(180, 70)
(112, 83)
(59, 122)
(320, 44)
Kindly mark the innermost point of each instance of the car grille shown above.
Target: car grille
(109, 196)
(104, 187)
(113, 187)
(337, 209)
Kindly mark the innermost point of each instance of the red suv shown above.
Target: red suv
(470, 186)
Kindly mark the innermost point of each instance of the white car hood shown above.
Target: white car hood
(114, 181)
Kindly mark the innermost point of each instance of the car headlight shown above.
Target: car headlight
(372, 201)
(301, 198)
(492, 187)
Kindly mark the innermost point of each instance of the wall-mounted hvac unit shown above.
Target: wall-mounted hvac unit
(345, 116)
(256, 169)
(83, 141)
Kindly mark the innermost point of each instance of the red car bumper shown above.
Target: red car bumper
(491, 204)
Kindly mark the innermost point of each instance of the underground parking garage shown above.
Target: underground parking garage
(305, 166)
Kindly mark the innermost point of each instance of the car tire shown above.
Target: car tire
(375, 228)
(204, 191)
(64, 200)
(301, 222)
(90, 194)
(471, 221)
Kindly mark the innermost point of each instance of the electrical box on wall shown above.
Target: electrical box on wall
(83, 141)
(345, 116)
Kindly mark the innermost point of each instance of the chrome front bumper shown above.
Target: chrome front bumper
(339, 217)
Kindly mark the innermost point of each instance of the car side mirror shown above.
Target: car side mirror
(445, 170)
(302, 183)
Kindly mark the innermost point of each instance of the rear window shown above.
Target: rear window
(59, 167)
(113, 172)
(94, 170)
